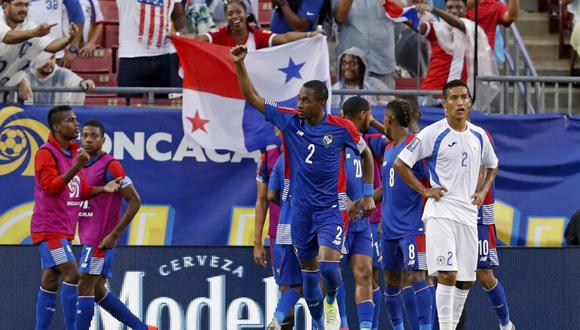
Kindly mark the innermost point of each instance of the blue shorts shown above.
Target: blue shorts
(312, 230)
(405, 253)
(95, 261)
(54, 252)
(487, 247)
(358, 242)
(285, 265)
(377, 250)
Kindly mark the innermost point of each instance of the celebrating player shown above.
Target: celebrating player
(58, 190)
(100, 226)
(454, 149)
(315, 144)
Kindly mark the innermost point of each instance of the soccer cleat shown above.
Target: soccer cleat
(332, 316)
(152, 327)
(344, 329)
(274, 325)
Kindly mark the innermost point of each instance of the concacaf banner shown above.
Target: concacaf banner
(197, 196)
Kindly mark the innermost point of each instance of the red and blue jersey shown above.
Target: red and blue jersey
(265, 168)
(315, 157)
(377, 143)
(402, 206)
(486, 212)
(354, 187)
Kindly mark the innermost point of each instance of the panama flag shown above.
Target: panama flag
(215, 114)
(399, 14)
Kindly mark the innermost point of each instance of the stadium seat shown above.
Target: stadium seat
(264, 13)
(110, 11)
(101, 62)
(100, 99)
(111, 36)
(407, 83)
(101, 79)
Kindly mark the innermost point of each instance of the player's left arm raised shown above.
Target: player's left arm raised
(239, 54)
(130, 194)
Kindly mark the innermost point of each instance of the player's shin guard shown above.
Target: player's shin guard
(394, 303)
(365, 312)
(410, 307)
(85, 311)
(45, 307)
(424, 304)
(115, 307)
(286, 304)
(459, 297)
(68, 300)
(341, 299)
(313, 294)
(499, 303)
(445, 297)
(331, 278)
(377, 300)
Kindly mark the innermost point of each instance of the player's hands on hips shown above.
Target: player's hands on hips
(239, 53)
(260, 254)
(43, 29)
(113, 186)
(478, 197)
(436, 192)
(109, 242)
(367, 205)
(82, 158)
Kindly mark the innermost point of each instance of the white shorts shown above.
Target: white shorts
(451, 246)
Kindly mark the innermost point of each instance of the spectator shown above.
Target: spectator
(49, 74)
(53, 12)
(572, 233)
(199, 16)
(295, 15)
(363, 24)
(147, 58)
(219, 16)
(411, 50)
(93, 26)
(353, 75)
(492, 13)
(574, 9)
(239, 32)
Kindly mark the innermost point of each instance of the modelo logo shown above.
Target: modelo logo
(161, 147)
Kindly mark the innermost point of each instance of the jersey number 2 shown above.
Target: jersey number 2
(311, 148)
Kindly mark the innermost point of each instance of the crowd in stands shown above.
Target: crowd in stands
(127, 43)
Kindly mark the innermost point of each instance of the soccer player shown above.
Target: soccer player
(58, 190)
(314, 145)
(454, 150)
(100, 226)
(284, 261)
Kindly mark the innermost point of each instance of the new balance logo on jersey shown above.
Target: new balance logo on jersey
(327, 140)
(300, 133)
(483, 259)
(452, 144)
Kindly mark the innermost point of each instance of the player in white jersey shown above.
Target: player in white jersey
(17, 57)
(454, 150)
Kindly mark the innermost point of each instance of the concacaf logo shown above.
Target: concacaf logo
(19, 141)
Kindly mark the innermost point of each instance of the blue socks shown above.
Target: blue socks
(378, 301)
(424, 304)
(394, 303)
(286, 304)
(85, 312)
(45, 307)
(365, 314)
(410, 307)
(434, 318)
(499, 303)
(331, 278)
(115, 307)
(341, 298)
(313, 294)
(68, 300)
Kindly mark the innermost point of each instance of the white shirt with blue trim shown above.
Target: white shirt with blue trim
(454, 160)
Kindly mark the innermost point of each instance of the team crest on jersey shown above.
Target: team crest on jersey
(413, 145)
(327, 139)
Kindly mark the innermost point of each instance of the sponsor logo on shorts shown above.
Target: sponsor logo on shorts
(441, 260)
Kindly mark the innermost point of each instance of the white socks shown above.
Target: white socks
(444, 297)
(459, 301)
(506, 327)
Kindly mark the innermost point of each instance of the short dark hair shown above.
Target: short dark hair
(54, 115)
(97, 124)
(452, 84)
(320, 90)
(355, 105)
(414, 107)
(401, 110)
(240, 2)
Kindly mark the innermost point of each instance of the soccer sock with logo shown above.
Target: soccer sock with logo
(459, 297)
(365, 312)
(331, 278)
(410, 307)
(444, 295)
(115, 307)
(45, 307)
(499, 303)
(313, 294)
(286, 304)
(341, 299)
(68, 300)
(85, 311)
(377, 300)
(394, 303)
(424, 304)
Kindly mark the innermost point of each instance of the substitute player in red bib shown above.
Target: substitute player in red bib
(315, 145)
(100, 226)
(58, 191)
